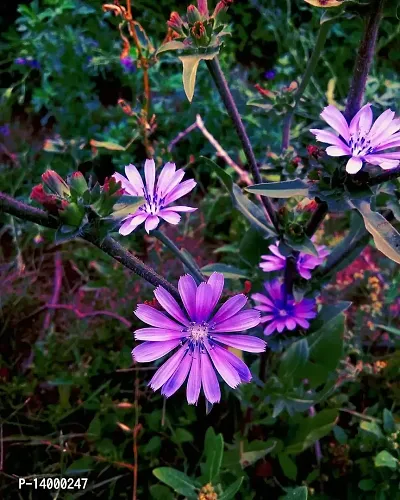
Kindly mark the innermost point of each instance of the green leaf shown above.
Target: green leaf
(295, 357)
(299, 493)
(111, 146)
(389, 424)
(182, 436)
(178, 481)
(366, 484)
(214, 450)
(288, 466)
(250, 457)
(372, 428)
(230, 272)
(390, 329)
(385, 459)
(174, 45)
(160, 492)
(329, 313)
(340, 434)
(126, 205)
(190, 65)
(386, 238)
(231, 490)
(284, 189)
(81, 466)
(253, 213)
(311, 429)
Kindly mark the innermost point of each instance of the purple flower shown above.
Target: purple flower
(27, 61)
(158, 195)
(281, 313)
(361, 140)
(128, 64)
(270, 74)
(5, 130)
(305, 262)
(199, 336)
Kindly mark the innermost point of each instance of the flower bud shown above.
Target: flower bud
(55, 183)
(48, 201)
(78, 183)
(193, 15)
(220, 9)
(325, 3)
(176, 23)
(203, 7)
(199, 34)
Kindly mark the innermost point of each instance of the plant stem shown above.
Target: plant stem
(108, 244)
(181, 256)
(312, 62)
(316, 219)
(364, 59)
(230, 105)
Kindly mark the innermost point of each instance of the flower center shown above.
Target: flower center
(360, 145)
(198, 331)
(282, 312)
(153, 204)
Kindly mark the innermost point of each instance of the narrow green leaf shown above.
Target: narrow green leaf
(190, 65)
(231, 491)
(214, 450)
(126, 206)
(178, 481)
(111, 146)
(250, 457)
(295, 357)
(390, 329)
(385, 459)
(389, 424)
(288, 466)
(284, 189)
(386, 238)
(173, 45)
(230, 272)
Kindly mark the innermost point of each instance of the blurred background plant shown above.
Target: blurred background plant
(73, 97)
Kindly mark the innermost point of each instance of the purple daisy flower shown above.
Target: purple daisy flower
(361, 140)
(129, 64)
(200, 336)
(158, 195)
(305, 262)
(283, 312)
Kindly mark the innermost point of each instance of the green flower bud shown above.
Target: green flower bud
(193, 14)
(56, 184)
(78, 183)
(72, 214)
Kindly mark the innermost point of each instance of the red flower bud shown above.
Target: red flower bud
(203, 7)
(55, 183)
(193, 15)
(263, 92)
(48, 201)
(176, 23)
(315, 151)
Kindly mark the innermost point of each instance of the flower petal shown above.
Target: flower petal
(362, 121)
(168, 303)
(158, 334)
(176, 179)
(167, 369)
(150, 176)
(178, 378)
(135, 179)
(237, 363)
(150, 351)
(337, 121)
(216, 281)
(187, 290)
(243, 342)
(155, 318)
(209, 379)
(381, 124)
(129, 188)
(151, 223)
(165, 177)
(181, 208)
(240, 322)
(170, 216)
(204, 302)
(230, 308)
(194, 380)
(354, 165)
(226, 370)
(337, 151)
(328, 138)
(180, 190)
(131, 224)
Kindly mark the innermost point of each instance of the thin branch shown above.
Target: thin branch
(230, 105)
(108, 244)
(364, 59)
(89, 314)
(312, 63)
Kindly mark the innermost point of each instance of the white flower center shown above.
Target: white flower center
(198, 331)
(359, 144)
(282, 312)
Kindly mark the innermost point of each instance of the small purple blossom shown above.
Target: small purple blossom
(158, 195)
(27, 61)
(200, 336)
(362, 140)
(129, 64)
(305, 262)
(283, 312)
(5, 130)
(270, 74)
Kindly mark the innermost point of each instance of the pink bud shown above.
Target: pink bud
(203, 7)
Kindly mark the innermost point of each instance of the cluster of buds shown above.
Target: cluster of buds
(199, 28)
(287, 162)
(207, 492)
(280, 101)
(76, 204)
